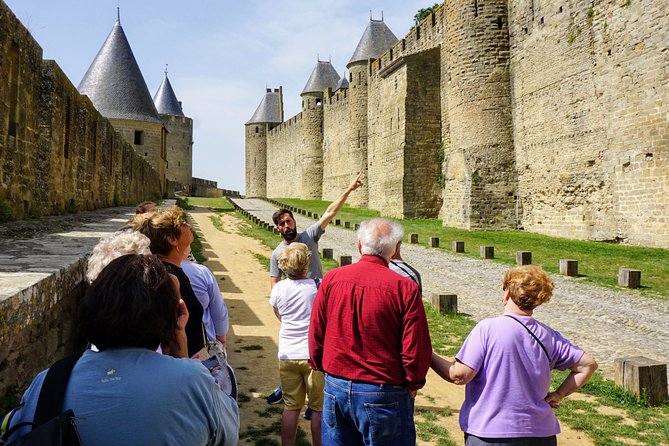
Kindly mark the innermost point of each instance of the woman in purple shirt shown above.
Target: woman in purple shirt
(506, 363)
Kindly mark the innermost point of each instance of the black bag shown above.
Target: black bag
(52, 426)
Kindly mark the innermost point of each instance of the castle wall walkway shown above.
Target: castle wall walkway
(608, 323)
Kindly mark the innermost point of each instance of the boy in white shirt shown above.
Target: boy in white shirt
(292, 299)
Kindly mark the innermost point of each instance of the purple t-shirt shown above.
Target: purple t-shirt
(506, 397)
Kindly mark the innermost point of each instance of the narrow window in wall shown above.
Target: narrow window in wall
(499, 23)
(398, 119)
(391, 54)
(256, 129)
(179, 164)
(359, 78)
(350, 77)
(163, 142)
(391, 124)
(318, 103)
(68, 124)
(110, 159)
(395, 82)
(476, 8)
(417, 32)
(139, 138)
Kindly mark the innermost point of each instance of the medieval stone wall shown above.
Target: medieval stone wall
(284, 175)
(339, 160)
(551, 117)
(256, 160)
(179, 149)
(57, 153)
(590, 122)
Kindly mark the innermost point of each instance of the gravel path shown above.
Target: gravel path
(607, 323)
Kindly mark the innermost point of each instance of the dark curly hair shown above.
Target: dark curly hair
(277, 215)
(132, 303)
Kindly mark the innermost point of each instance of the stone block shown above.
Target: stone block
(309, 214)
(629, 278)
(337, 222)
(445, 303)
(569, 267)
(328, 253)
(345, 260)
(413, 238)
(643, 377)
(523, 257)
(487, 252)
(458, 246)
(356, 226)
(316, 216)
(434, 242)
(347, 225)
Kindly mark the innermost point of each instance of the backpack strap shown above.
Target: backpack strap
(52, 394)
(317, 282)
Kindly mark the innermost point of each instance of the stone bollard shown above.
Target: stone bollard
(523, 258)
(569, 267)
(356, 226)
(629, 278)
(309, 213)
(445, 303)
(487, 252)
(434, 242)
(643, 377)
(413, 238)
(347, 225)
(337, 222)
(345, 260)
(458, 246)
(316, 216)
(328, 253)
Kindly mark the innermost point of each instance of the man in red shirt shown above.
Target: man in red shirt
(369, 334)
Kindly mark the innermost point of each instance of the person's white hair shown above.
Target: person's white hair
(379, 237)
(116, 245)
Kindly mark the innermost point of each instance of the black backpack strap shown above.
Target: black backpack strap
(535, 338)
(52, 394)
(317, 282)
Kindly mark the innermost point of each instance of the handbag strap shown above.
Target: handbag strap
(52, 394)
(534, 336)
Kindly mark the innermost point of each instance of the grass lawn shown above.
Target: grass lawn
(597, 262)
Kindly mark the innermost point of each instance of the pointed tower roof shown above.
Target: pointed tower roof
(115, 84)
(269, 110)
(165, 100)
(376, 40)
(323, 76)
(343, 83)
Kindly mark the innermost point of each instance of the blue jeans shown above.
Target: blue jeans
(366, 414)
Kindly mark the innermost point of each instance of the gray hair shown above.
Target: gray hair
(116, 245)
(379, 237)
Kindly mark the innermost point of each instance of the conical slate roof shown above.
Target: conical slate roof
(323, 76)
(343, 83)
(115, 84)
(166, 101)
(376, 40)
(269, 110)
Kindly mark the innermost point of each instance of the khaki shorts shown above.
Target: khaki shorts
(299, 380)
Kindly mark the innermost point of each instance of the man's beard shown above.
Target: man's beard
(289, 235)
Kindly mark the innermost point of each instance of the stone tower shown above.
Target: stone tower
(118, 91)
(310, 158)
(375, 41)
(179, 141)
(268, 115)
(479, 165)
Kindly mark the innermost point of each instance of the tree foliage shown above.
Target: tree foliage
(423, 13)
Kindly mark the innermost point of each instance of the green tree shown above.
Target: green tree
(423, 13)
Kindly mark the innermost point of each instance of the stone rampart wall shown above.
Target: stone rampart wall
(590, 122)
(57, 153)
(553, 118)
(338, 151)
(179, 149)
(284, 173)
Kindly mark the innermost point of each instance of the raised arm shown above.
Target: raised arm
(336, 205)
(581, 372)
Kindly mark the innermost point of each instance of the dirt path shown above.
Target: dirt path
(252, 341)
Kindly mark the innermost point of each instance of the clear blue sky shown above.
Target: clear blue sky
(221, 54)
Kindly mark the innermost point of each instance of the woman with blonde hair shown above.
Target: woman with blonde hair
(170, 237)
(506, 364)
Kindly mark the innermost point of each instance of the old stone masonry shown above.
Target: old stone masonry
(547, 116)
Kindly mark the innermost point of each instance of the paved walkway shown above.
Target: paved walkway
(607, 323)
